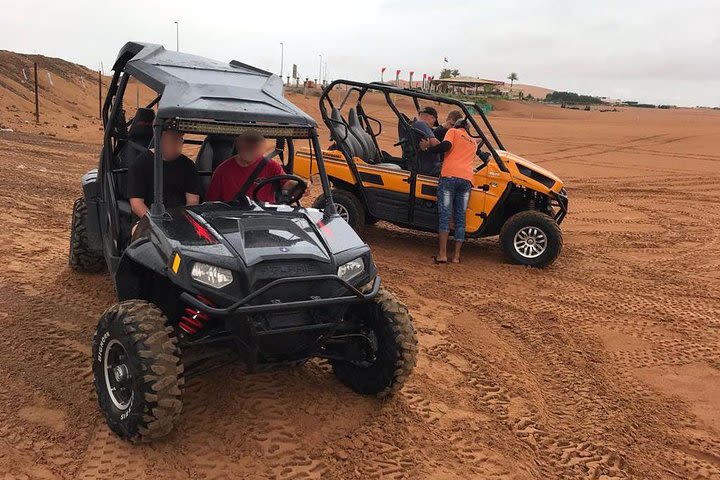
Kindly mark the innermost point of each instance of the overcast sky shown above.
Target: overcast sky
(647, 50)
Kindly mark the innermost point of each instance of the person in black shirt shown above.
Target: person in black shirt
(180, 178)
(452, 117)
(428, 162)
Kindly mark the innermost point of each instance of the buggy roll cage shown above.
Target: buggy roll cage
(387, 90)
(200, 96)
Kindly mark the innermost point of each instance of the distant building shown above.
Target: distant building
(466, 85)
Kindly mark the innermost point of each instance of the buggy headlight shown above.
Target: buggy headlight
(351, 269)
(211, 275)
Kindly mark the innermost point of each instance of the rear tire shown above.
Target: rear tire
(83, 257)
(348, 206)
(531, 238)
(395, 358)
(137, 370)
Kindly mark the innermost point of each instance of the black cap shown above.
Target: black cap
(429, 111)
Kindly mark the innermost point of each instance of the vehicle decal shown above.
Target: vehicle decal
(103, 339)
(373, 178)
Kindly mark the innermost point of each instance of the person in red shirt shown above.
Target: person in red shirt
(231, 175)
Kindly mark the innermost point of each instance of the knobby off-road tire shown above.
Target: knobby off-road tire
(531, 238)
(396, 349)
(82, 257)
(151, 402)
(348, 206)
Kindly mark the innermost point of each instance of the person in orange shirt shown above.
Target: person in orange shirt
(454, 186)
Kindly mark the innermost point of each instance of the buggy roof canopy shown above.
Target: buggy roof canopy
(209, 91)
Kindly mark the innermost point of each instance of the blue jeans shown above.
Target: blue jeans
(453, 195)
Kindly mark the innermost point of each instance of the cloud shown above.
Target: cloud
(656, 51)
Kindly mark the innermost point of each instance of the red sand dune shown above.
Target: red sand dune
(604, 366)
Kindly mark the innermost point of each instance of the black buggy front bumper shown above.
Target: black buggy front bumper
(290, 341)
(562, 204)
(244, 306)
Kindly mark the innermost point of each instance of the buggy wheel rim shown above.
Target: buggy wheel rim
(118, 380)
(342, 211)
(530, 242)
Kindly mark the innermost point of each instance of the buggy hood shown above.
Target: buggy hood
(267, 237)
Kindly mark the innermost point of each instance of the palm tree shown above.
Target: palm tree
(513, 78)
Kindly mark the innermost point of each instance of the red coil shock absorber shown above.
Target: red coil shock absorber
(192, 319)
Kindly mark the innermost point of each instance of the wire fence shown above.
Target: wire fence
(39, 82)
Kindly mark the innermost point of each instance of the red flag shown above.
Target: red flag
(397, 72)
(382, 70)
(411, 73)
(424, 76)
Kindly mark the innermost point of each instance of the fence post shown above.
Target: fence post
(100, 94)
(37, 100)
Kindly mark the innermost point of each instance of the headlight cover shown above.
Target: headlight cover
(211, 275)
(351, 269)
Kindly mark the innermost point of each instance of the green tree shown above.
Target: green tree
(449, 72)
(513, 78)
(572, 98)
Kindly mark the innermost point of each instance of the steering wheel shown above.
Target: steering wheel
(282, 197)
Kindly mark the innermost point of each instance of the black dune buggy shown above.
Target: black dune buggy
(203, 286)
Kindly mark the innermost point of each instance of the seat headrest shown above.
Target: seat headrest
(214, 150)
(337, 125)
(353, 119)
(141, 128)
(335, 114)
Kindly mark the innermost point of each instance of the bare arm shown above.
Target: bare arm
(191, 199)
(138, 207)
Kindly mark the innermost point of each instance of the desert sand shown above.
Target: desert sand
(605, 365)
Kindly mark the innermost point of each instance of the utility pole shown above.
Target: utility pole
(177, 36)
(282, 58)
(320, 70)
(37, 99)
